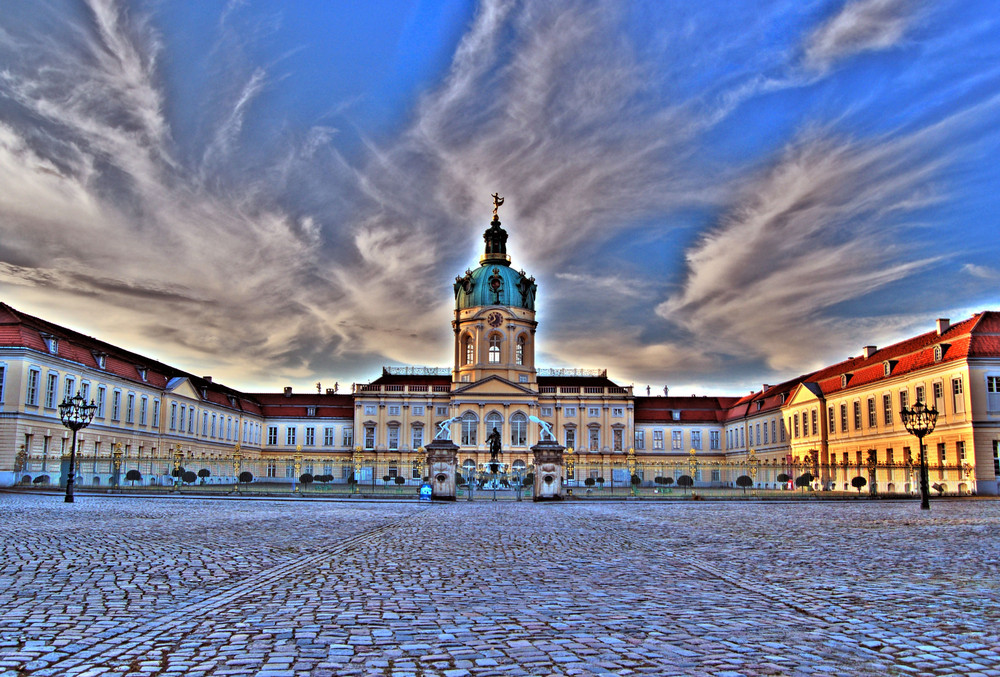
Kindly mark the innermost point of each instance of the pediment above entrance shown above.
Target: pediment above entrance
(492, 385)
(182, 387)
(805, 393)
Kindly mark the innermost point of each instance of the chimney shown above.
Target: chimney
(207, 378)
(943, 324)
(868, 351)
(288, 391)
(331, 391)
(766, 386)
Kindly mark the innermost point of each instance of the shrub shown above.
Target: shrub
(246, 477)
(744, 481)
(685, 481)
(858, 483)
(189, 477)
(133, 476)
(306, 478)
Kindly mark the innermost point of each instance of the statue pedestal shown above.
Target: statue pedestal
(442, 463)
(548, 471)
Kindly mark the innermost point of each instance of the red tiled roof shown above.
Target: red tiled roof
(296, 405)
(692, 409)
(21, 329)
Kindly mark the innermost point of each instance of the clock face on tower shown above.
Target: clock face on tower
(494, 319)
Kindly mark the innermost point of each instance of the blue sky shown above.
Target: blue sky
(711, 195)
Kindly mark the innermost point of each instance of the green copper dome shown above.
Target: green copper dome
(495, 283)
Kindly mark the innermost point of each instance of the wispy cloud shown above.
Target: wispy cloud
(860, 26)
(817, 228)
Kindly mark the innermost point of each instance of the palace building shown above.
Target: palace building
(836, 424)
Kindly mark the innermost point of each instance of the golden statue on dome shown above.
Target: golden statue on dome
(497, 201)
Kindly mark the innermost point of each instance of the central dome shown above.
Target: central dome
(495, 284)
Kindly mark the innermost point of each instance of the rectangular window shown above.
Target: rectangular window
(872, 416)
(348, 437)
(640, 439)
(617, 435)
(369, 437)
(618, 412)
(130, 408)
(795, 426)
(272, 434)
(101, 397)
(714, 439)
(887, 409)
(676, 440)
(889, 461)
(843, 418)
(857, 416)
(920, 394)
(782, 424)
(143, 407)
(310, 437)
(173, 416)
(204, 422)
(68, 387)
(116, 405)
(657, 440)
(441, 411)
(570, 438)
(290, 436)
(774, 436)
(418, 410)
(696, 437)
(50, 391)
(156, 413)
(593, 412)
(569, 411)
(31, 392)
(191, 421)
(546, 411)
(941, 460)
(904, 399)
(393, 410)
(3, 371)
(957, 397)
(996, 458)
(765, 432)
(417, 437)
(815, 422)
(214, 420)
(595, 439)
(394, 437)
(328, 436)
(370, 410)
(938, 389)
(960, 452)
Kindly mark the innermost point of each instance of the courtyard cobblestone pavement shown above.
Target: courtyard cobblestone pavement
(143, 586)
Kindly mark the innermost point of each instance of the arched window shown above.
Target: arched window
(470, 422)
(494, 348)
(494, 420)
(470, 350)
(518, 430)
(519, 351)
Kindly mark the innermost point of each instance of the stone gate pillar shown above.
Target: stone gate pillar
(548, 471)
(442, 464)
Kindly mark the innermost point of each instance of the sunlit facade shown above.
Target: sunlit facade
(835, 425)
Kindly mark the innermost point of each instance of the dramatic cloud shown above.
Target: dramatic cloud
(861, 26)
(818, 228)
(226, 236)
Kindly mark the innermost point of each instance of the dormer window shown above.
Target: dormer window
(760, 404)
(51, 343)
(676, 414)
(782, 397)
(310, 411)
(101, 359)
(142, 372)
(938, 353)
(844, 378)
(886, 368)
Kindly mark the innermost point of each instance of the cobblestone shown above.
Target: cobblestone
(142, 586)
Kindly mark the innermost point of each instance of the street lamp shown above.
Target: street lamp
(75, 414)
(920, 421)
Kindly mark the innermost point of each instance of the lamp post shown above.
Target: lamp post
(75, 414)
(920, 421)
